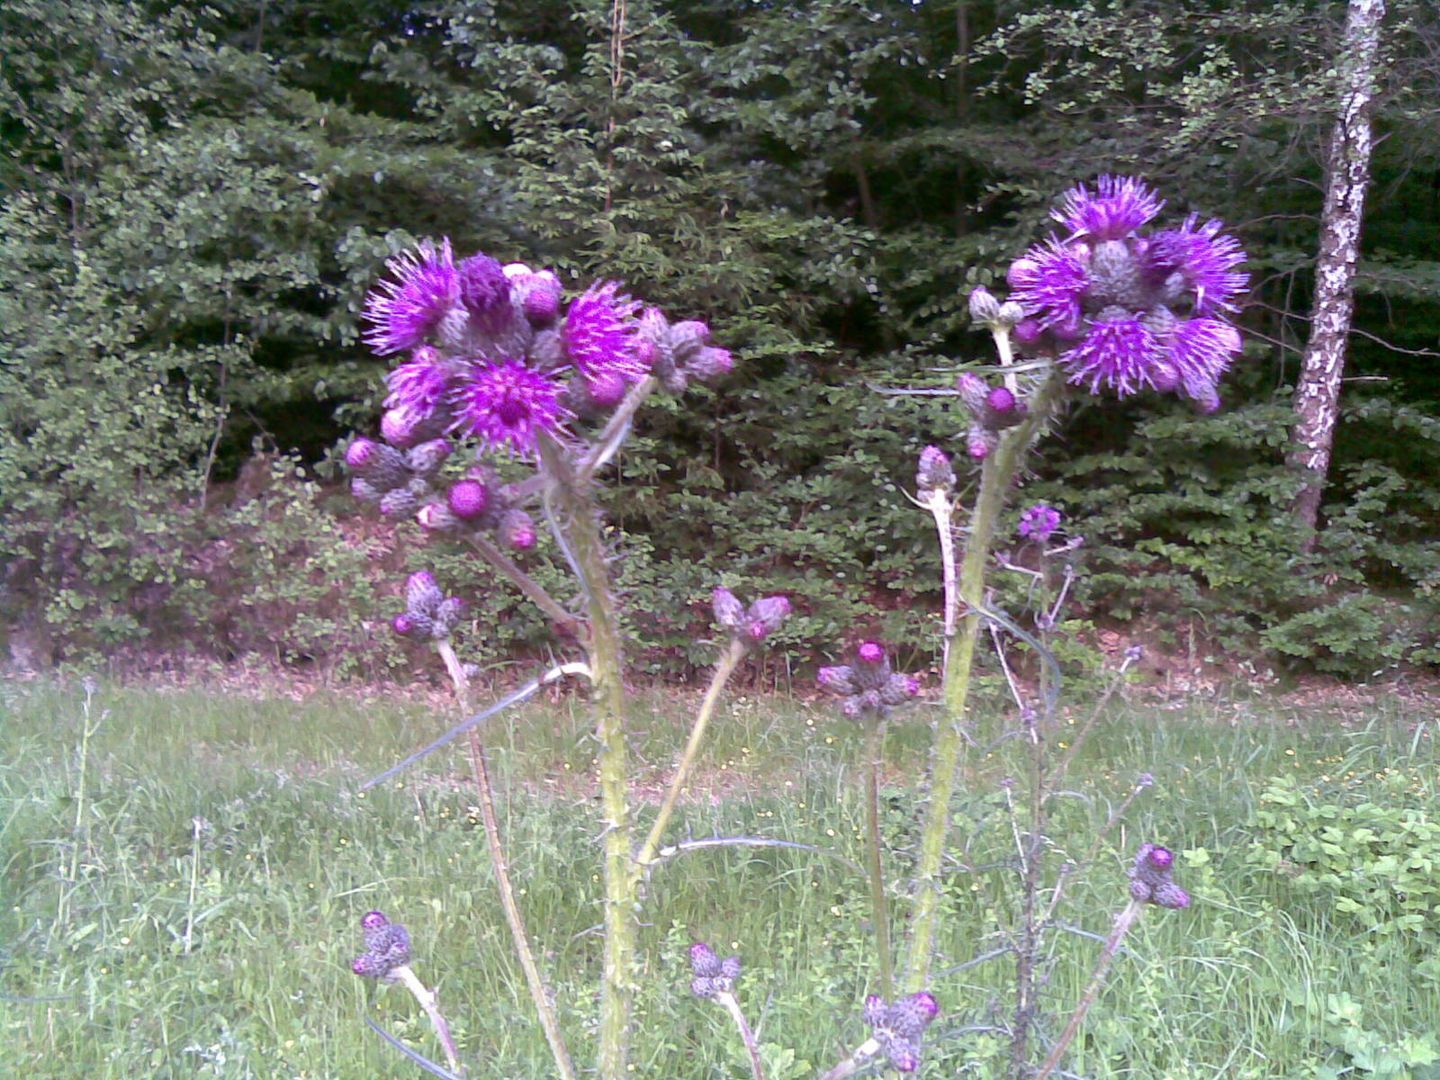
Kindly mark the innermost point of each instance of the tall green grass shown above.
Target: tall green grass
(200, 919)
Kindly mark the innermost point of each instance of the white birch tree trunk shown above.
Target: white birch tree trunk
(1317, 397)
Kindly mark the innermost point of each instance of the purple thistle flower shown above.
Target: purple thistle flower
(1201, 351)
(1039, 522)
(871, 652)
(485, 291)
(507, 403)
(1118, 206)
(767, 615)
(1049, 281)
(361, 453)
(1204, 258)
(407, 309)
(421, 384)
(600, 334)
(1118, 352)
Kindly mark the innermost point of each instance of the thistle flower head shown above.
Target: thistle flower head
(899, 1028)
(712, 975)
(867, 687)
(387, 947)
(729, 611)
(484, 291)
(600, 334)
(421, 383)
(1117, 352)
(507, 403)
(1204, 258)
(1151, 881)
(422, 292)
(1122, 311)
(1050, 281)
(1039, 522)
(1116, 208)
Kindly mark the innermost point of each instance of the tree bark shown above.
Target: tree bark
(1317, 397)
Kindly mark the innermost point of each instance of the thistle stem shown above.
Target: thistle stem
(855, 1062)
(526, 584)
(431, 1004)
(1123, 922)
(581, 528)
(879, 909)
(757, 1070)
(616, 428)
(998, 472)
(724, 668)
(480, 764)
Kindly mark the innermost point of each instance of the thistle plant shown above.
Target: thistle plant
(497, 367)
(1112, 308)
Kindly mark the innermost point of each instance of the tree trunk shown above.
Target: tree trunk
(1317, 398)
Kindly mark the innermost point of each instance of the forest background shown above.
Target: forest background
(195, 199)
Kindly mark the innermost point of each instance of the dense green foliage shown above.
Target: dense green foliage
(194, 200)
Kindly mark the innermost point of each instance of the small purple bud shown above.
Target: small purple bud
(361, 453)
(468, 499)
(422, 592)
(703, 960)
(838, 680)
(1000, 399)
(1160, 858)
(1139, 890)
(903, 1057)
(730, 968)
(688, 337)
(984, 308)
(729, 612)
(373, 920)
(436, 517)
(398, 427)
(767, 615)
(1169, 895)
(542, 298)
(926, 1004)
(710, 364)
(365, 491)
(403, 625)
(979, 443)
(518, 530)
(935, 472)
(973, 391)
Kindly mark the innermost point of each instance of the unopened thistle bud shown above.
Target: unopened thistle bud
(448, 615)
(517, 530)
(729, 611)
(711, 974)
(468, 499)
(935, 472)
(1151, 881)
(766, 616)
(980, 443)
(400, 502)
(422, 592)
(973, 391)
(382, 467)
(984, 308)
(899, 1028)
(426, 459)
(437, 517)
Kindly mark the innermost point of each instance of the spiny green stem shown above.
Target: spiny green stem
(581, 528)
(724, 668)
(480, 764)
(995, 478)
(879, 909)
(855, 1062)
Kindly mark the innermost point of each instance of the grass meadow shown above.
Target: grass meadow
(181, 889)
